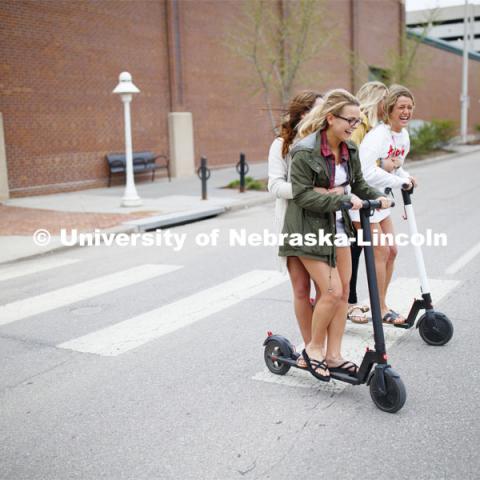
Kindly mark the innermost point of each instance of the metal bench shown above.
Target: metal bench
(143, 162)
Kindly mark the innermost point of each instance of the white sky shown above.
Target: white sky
(422, 4)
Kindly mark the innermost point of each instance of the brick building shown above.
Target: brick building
(60, 60)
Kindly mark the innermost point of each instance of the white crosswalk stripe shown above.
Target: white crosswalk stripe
(401, 293)
(136, 331)
(21, 309)
(27, 268)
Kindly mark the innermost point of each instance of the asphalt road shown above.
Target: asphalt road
(193, 401)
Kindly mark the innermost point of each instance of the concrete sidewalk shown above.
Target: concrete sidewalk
(164, 203)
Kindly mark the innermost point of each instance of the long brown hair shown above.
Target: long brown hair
(299, 105)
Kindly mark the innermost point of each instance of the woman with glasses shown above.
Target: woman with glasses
(325, 158)
(371, 97)
(279, 185)
(385, 145)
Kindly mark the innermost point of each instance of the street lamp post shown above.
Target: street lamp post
(126, 89)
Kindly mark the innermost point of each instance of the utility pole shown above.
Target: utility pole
(464, 97)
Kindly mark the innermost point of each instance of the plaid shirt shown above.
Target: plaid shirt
(330, 157)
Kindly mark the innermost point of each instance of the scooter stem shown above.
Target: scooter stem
(412, 225)
(372, 282)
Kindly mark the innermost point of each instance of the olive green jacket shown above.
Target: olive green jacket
(310, 211)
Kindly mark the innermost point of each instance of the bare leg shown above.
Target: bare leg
(387, 227)
(300, 280)
(336, 328)
(381, 256)
(328, 281)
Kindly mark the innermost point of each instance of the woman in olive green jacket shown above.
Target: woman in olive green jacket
(325, 158)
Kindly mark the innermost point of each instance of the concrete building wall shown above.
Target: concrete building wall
(439, 85)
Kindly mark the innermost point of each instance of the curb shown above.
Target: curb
(60, 248)
(129, 228)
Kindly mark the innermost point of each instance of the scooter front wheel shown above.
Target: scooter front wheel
(436, 330)
(393, 398)
(273, 349)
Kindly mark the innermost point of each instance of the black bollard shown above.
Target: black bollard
(203, 173)
(242, 169)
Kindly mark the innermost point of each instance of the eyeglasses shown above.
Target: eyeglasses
(353, 122)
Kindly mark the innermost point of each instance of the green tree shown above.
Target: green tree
(278, 38)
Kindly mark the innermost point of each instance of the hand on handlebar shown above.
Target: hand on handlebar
(357, 204)
(407, 184)
(386, 202)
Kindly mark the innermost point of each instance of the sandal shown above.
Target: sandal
(301, 363)
(391, 318)
(299, 360)
(357, 317)
(349, 368)
(314, 365)
(398, 316)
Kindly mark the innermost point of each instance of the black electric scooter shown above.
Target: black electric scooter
(434, 327)
(386, 387)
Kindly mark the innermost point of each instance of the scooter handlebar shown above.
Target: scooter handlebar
(366, 204)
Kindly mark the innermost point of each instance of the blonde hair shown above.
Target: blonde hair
(394, 93)
(316, 119)
(369, 96)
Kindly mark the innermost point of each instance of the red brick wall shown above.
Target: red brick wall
(60, 60)
(228, 118)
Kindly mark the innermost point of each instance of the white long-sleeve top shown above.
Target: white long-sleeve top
(382, 143)
(279, 185)
(278, 166)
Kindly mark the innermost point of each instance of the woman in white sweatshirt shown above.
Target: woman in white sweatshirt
(387, 142)
(280, 186)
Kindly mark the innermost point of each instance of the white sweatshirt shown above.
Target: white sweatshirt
(280, 186)
(382, 143)
(278, 172)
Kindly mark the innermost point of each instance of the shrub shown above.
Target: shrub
(431, 136)
(250, 184)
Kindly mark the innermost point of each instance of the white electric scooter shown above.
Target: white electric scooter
(434, 327)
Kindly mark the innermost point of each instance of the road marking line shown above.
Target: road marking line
(136, 331)
(463, 260)
(358, 337)
(28, 307)
(40, 265)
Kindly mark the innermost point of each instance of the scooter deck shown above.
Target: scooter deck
(343, 377)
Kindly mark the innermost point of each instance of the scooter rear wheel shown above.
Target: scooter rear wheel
(435, 331)
(273, 348)
(394, 398)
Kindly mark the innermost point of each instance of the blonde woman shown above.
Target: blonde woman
(280, 186)
(325, 158)
(387, 142)
(371, 97)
